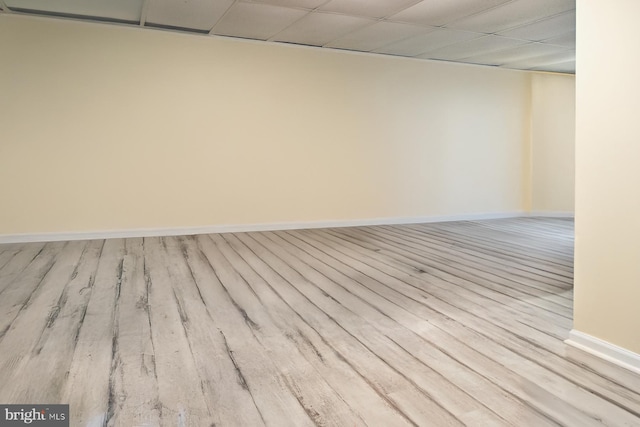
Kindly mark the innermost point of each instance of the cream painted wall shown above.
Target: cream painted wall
(553, 141)
(607, 259)
(106, 127)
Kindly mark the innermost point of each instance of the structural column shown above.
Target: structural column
(607, 259)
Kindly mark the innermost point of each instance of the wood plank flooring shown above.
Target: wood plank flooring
(444, 324)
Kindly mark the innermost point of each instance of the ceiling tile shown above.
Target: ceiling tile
(440, 12)
(561, 67)
(369, 8)
(513, 14)
(542, 60)
(545, 28)
(123, 10)
(472, 47)
(318, 29)
(305, 4)
(514, 54)
(377, 35)
(256, 20)
(567, 39)
(432, 40)
(193, 14)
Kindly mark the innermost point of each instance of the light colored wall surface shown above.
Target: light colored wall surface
(607, 260)
(553, 142)
(105, 127)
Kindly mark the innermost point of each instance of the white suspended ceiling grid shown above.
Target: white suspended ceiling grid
(518, 34)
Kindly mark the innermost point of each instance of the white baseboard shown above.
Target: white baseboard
(552, 214)
(184, 231)
(605, 350)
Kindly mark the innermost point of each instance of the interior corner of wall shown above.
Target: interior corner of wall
(527, 191)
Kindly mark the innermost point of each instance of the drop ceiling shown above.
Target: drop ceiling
(519, 34)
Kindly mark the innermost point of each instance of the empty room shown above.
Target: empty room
(319, 212)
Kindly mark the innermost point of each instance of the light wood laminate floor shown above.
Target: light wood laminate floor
(444, 324)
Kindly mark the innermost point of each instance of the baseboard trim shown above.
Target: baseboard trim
(552, 214)
(239, 228)
(605, 350)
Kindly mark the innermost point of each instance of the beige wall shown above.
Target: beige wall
(553, 141)
(607, 262)
(105, 127)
